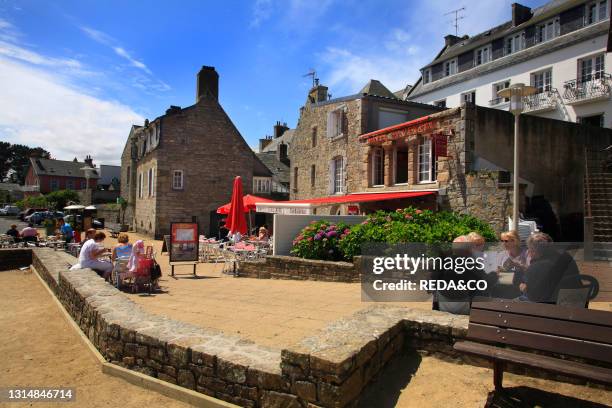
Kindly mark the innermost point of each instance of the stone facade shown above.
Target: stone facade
(181, 165)
(290, 267)
(313, 147)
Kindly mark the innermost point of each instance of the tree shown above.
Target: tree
(59, 199)
(14, 160)
(5, 159)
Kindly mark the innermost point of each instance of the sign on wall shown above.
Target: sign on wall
(184, 242)
(441, 145)
(279, 209)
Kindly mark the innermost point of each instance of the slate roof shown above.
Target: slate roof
(375, 88)
(284, 138)
(63, 168)
(279, 169)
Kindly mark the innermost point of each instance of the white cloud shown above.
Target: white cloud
(135, 63)
(38, 109)
(14, 51)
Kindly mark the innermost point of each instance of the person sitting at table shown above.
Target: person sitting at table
(29, 234)
(515, 259)
(123, 249)
(544, 274)
(263, 235)
(65, 230)
(13, 232)
(90, 252)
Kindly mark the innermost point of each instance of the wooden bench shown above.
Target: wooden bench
(527, 327)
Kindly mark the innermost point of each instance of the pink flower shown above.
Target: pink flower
(309, 238)
(418, 211)
(408, 216)
(346, 231)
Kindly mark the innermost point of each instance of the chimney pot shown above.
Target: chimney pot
(207, 84)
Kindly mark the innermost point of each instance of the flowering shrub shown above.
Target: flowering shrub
(400, 226)
(319, 240)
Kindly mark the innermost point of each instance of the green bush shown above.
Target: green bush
(400, 226)
(319, 240)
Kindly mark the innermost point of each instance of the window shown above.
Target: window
(388, 117)
(450, 67)
(515, 43)
(542, 80)
(83, 185)
(401, 165)
(261, 184)
(440, 104)
(427, 162)
(337, 175)
(314, 136)
(482, 55)
(378, 167)
(596, 11)
(468, 97)
(139, 185)
(70, 184)
(295, 179)
(547, 30)
(496, 88)
(426, 76)
(595, 120)
(313, 172)
(129, 176)
(335, 122)
(54, 185)
(591, 68)
(177, 180)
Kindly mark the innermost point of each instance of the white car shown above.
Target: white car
(9, 210)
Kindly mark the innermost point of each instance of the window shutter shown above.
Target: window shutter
(330, 124)
(344, 175)
(330, 187)
(344, 126)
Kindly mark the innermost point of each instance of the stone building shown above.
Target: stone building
(273, 152)
(181, 165)
(326, 156)
(464, 155)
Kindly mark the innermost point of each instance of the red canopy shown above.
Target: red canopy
(235, 218)
(360, 197)
(248, 201)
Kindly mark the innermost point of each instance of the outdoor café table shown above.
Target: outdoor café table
(504, 289)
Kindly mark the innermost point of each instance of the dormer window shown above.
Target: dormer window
(426, 76)
(450, 67)
(596, 11)
(547, 30)
(515, 42)
(482, 55)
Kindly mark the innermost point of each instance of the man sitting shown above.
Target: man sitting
(29, 234)
(13, 233)
(90, 252)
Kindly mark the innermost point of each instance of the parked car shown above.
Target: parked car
(29, 211)
(38, 217)
(9, 210)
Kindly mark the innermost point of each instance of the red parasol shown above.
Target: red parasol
(249, 202)
(235, 218)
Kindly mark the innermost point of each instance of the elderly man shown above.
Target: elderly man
(90, 252)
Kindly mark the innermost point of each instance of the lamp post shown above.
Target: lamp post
(516, 93)
(88, 173)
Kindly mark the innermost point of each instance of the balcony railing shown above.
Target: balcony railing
(541, 101)
(597, 87)
(498, 101)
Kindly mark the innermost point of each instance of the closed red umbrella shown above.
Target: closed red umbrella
(249, 202)
(235, 218)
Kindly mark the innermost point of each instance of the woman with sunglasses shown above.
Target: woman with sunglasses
(515, 260)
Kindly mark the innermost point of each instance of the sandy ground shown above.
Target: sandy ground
(40, 349)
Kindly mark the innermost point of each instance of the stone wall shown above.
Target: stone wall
(289, 267)
(15, 258)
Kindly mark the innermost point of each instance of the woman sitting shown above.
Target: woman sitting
(515, 260)
(263, 235)
(123, 249)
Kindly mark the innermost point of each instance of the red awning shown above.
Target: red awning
(359, 198)
(249, 202)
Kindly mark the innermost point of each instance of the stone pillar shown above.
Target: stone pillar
(413, 161)
(388, 148)
(366, 180)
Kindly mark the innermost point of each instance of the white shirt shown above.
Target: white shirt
(87, 250)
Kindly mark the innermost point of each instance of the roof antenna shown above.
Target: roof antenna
(455, 23)
(312, 73)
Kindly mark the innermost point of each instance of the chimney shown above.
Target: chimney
(89, 161)
(208, 84)
(451, 40)
(264, 142)
(279, 129)
(281, 153)
(317, 94)
(520, 14)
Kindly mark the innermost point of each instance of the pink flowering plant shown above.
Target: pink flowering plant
(319, 240)
(400, 226)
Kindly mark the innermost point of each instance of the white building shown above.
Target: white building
(560, 48)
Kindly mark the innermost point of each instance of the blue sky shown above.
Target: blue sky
(74, 75)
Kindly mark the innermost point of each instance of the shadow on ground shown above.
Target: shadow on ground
(386, 390)
(527, 397)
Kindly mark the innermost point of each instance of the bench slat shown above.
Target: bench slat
(564, 328)
(571, 368)
(540, 341)
(599, 317)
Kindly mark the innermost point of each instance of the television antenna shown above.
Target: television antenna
(312, 73)
(455, 21)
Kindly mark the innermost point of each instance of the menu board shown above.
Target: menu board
(184, 242)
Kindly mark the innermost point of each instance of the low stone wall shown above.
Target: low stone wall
(290, 267)
(14, 258)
